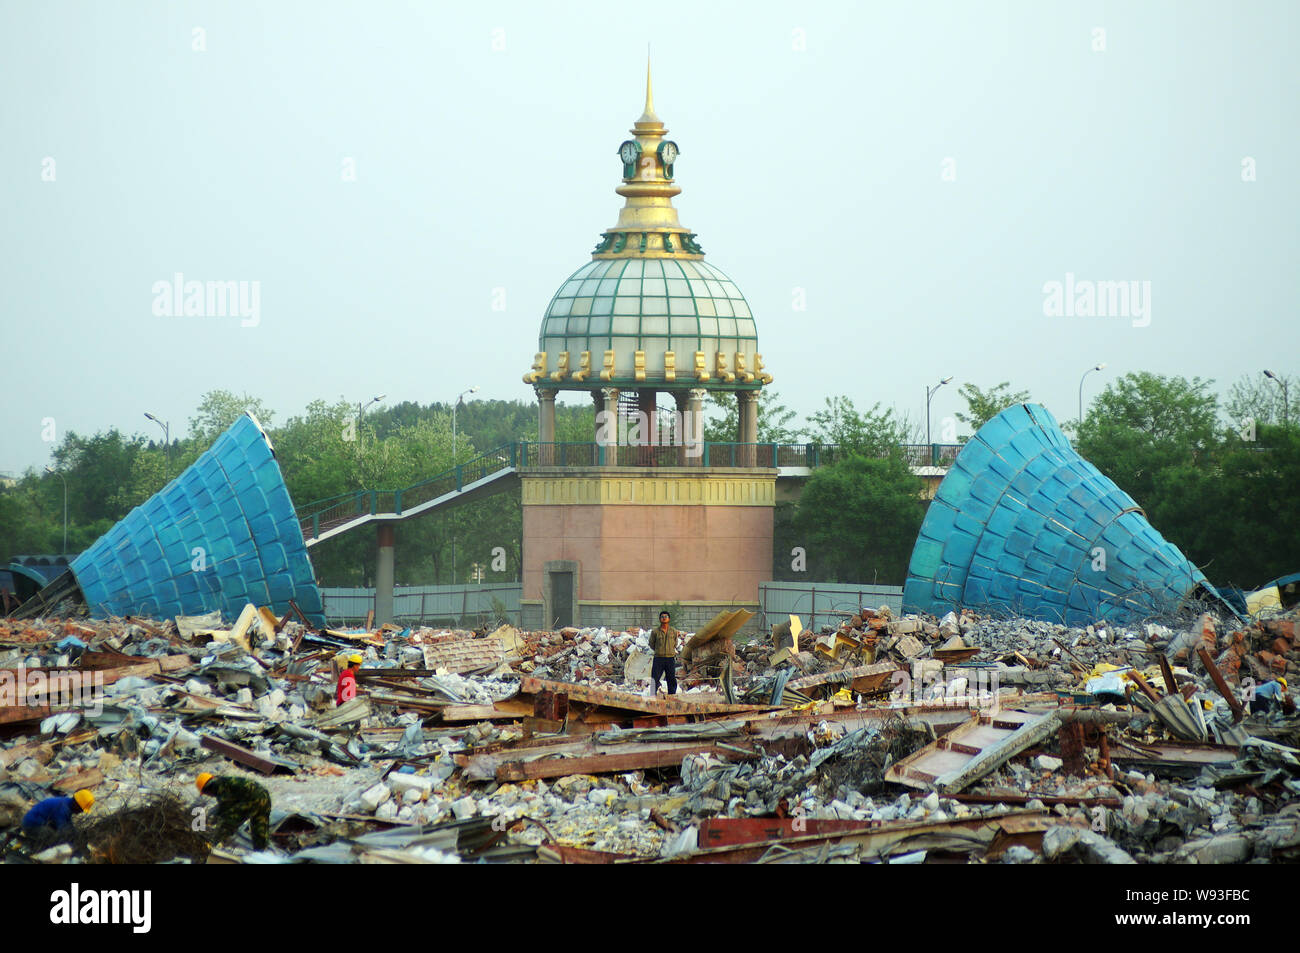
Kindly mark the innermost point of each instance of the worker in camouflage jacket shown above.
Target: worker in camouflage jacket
(663, 641)
(238, 800)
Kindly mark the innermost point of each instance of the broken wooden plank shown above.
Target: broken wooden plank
(1047, 799)
(1187, 753)
(973, 750)
(656, 756)
(967, 835)
(348, 712)
(1167, 673)
(1136, 678)
(17, 714)
(81, 779)
(695, 703)
(104, 661)
(871, 677)
(717, 635)
(1217, 677)
(244, 756)
(509, 710)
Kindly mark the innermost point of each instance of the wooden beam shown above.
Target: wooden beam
(633, 701)
(660, 756)
(1217, 677)
(242, 755)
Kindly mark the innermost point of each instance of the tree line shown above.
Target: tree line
(1216, 478)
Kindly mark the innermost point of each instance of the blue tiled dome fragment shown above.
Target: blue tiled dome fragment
(220, 535)
(1024, 525)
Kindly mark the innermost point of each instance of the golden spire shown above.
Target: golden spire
(647, 223)
(648, 116)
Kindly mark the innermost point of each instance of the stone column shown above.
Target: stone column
(680, 433)
(747, 401)
(607, 430)
(387, 536)
(694, 426)
(545, 426)
(646, 451)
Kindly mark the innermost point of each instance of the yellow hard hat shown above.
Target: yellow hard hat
(85, 799)
(1282, 682)
(1207, 704)
(355, 659)
(201, 781)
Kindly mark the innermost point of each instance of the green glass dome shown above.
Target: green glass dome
(653, 305)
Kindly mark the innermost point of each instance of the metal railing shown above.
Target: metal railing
(322, 515)
(464, 603)
(822, 603)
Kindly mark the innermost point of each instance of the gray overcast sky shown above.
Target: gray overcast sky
(813, 135)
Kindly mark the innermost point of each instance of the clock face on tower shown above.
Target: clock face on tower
(668, 152)
(628, 152)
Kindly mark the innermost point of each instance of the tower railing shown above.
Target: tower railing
(322, 515)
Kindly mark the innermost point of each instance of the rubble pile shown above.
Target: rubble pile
(880, 739)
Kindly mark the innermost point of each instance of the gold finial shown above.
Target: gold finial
(649, 114)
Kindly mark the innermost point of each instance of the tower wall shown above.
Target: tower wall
(635, 539)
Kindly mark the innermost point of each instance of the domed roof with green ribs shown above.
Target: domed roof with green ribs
(648, 309)
(652, 305)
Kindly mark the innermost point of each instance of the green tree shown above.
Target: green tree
(218, 409)
(858, 518)
(877, 432)
(99, 471)
(983, 405)
(1235, 515)
(775, 419)
(1144, 423)
(1256, 397)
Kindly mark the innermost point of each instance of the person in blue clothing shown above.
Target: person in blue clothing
(1268, 696)
(51, 820)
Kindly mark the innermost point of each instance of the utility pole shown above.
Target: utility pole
(929, 395)
(1286, 400)
(65, 506)
(167, 440)
(1096, 367)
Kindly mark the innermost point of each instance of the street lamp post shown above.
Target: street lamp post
(1286, 401)
(167, 439)
(454, 405)
(929, 395)
(65, 506)
(454, 462)
(1095, 367)
(360, 410)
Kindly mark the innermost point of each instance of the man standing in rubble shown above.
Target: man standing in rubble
(238, 800)
(663, 641)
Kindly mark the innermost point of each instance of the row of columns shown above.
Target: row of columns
(690, 408)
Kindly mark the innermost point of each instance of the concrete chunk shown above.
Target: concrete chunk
(372, 797)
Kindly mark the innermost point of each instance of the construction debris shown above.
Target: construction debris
(882, 739)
